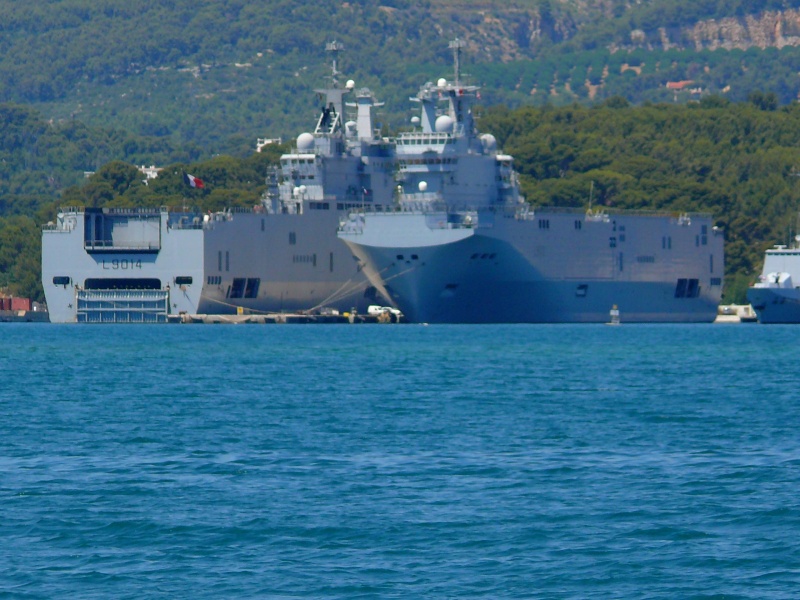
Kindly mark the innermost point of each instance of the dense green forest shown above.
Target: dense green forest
(679, 105)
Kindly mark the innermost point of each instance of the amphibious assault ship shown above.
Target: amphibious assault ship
(461, 244)
(140, 265)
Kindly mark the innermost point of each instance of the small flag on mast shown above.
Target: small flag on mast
(193, 181)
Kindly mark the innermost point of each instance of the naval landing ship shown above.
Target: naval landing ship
(462, 245)
(134, 265)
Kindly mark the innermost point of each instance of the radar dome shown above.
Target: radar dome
(444, 124)
(442, 82)
(489, 142)
(350, 128)
(305, 142)
(350, 84)
(423, 185)
(415, 121)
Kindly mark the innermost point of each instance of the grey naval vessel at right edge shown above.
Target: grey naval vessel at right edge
(775, 297)
(461, 245)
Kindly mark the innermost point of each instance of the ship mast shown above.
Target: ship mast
(334, 47)
(330, 119)
(456, 45)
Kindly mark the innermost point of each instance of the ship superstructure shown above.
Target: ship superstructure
(463, 246)
(134, 265)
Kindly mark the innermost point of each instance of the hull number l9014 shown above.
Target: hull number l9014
(122, 264)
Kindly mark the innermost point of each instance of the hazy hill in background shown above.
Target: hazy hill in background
(219, 73)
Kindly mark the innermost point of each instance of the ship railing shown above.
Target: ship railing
(642, 212)
(127, 245)
(138, 211)
(519, 211)
(55, 228)
(71, 209)
(187, 222)
(599, 215)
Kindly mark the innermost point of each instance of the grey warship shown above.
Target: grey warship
(775, 297)
(146, 265)
(461, 245)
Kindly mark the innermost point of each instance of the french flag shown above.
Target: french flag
(193, 181)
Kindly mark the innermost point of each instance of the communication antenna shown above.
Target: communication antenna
(456, 46)
(334, 47)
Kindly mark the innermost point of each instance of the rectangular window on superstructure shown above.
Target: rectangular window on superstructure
(292, 238)
(693, 288)
(251, 288)
(680, 288)
(219, 268)
(238, 287)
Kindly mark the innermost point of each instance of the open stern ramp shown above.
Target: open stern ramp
(122, 306)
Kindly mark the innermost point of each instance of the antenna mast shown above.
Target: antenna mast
(456, 46)
(334, 47)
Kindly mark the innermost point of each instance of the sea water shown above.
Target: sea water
(399, 461)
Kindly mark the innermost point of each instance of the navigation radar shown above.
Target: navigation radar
(305, 142)
(489, 142)
(444, 124)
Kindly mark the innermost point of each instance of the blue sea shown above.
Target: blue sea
(399, 461)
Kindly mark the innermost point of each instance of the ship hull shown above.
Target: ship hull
(258, 263)
(775, 305)
(560, 268)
